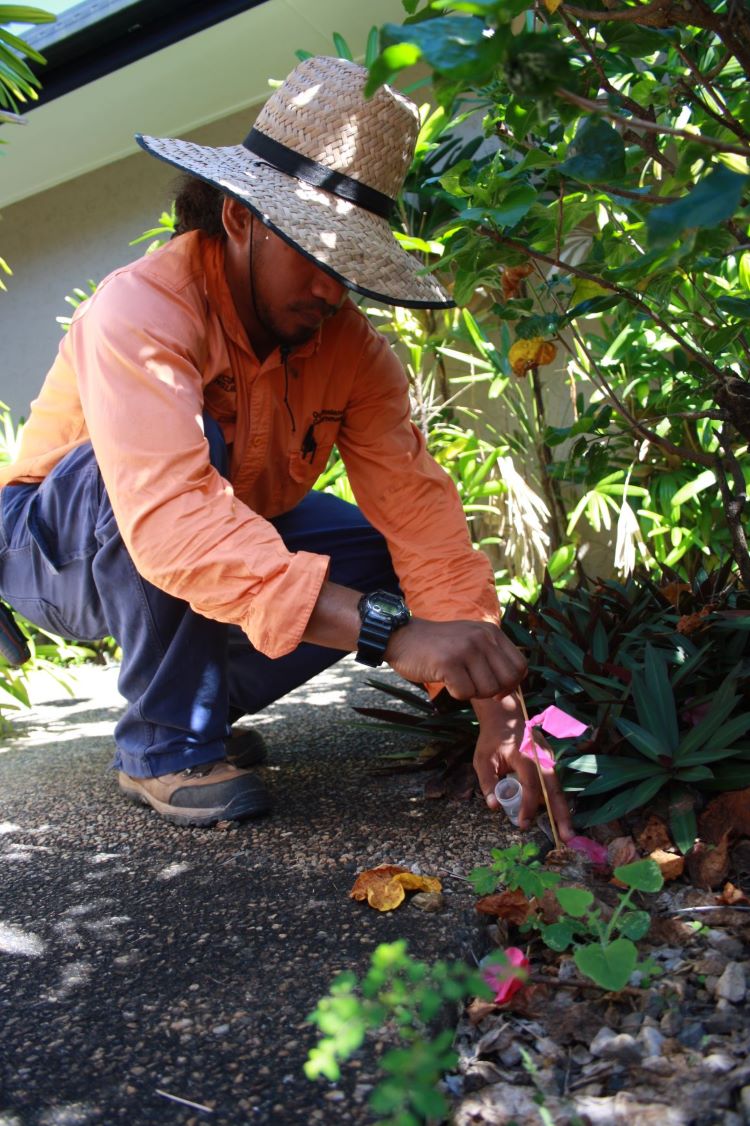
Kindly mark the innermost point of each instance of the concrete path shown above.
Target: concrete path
(139, 958)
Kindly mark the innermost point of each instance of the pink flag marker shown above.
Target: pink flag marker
(555, 722)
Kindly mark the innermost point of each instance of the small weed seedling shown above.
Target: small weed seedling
(406, 996)
(605, 951)
(514, 868)
(612, 956)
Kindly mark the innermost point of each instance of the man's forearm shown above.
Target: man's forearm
(335, 622)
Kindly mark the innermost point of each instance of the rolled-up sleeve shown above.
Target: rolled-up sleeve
(137, 351)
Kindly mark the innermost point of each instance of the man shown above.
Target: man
(162, 491)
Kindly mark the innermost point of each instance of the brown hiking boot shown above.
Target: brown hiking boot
(200, 795)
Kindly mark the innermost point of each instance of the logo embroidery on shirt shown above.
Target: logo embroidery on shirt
(309, 445)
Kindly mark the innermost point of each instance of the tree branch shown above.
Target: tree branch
(650, 126)
(636, 300)
(734, 505)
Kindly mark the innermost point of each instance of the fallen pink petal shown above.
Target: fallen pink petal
(506, 977)
(596, 852)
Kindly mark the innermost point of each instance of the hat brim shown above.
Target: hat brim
(353, 245)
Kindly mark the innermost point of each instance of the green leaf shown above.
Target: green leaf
(696, 740)
(558, 936)
(694, 774)
(510, 210)
(342, 47)
(736, 307)
(18, 13)
(391, 60)
(429, 1102)
(637, 42)
(713, 200)
(574, 901)
(702, 482)
(659, 700)
(456, 46)
(613, 772)
(646, 742)
(609, 966)
(597, 153)
(371, 50)
(537, 63)
(624, 802)
(682, 820)
(634, 924)
(642, 875)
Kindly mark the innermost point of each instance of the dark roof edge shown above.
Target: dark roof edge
(122, 36)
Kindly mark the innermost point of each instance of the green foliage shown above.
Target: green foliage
(659, 673)
(604, 949)
(612, 957)
(514, 868)
(406, 995)
(616, 169)
(18, 83)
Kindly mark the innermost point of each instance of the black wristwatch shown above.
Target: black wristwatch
(381, 614)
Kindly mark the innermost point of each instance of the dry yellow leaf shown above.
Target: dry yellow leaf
(671, 865)
(552, 5)
(410, 882)
(527, 354)
(385, 887)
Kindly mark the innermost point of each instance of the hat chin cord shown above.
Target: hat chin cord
(283, 348)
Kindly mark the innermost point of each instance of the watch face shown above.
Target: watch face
(389, 605)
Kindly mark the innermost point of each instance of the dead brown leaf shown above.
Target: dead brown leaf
(671, 864)
(478, 1009)
(512, 277)
(731, 895)
(708, 864)
(653, 835)
(513, 906)
(385, 887)
(728, 812)
(670, 932)
(556, 857)
(673, 591)
(548, 907)
(620, 851)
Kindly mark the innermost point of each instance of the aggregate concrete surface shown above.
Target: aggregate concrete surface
(142, 963)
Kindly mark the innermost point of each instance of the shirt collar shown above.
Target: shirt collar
(220, 300)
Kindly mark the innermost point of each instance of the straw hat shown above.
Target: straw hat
(322, 168)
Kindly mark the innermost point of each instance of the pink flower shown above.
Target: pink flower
(505, 972)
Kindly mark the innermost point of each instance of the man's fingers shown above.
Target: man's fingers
(486, 772)
(533, 799)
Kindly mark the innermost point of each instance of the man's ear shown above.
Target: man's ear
(237, 220)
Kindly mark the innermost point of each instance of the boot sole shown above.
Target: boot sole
(238, 809)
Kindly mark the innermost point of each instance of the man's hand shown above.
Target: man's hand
(497, 754)
(474, 660)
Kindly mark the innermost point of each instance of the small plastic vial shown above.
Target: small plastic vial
(509, 792)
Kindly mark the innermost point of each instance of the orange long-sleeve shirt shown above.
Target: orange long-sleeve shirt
(160, 342)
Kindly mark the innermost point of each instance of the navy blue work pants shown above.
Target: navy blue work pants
(63, 565)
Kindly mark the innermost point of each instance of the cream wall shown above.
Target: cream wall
(60, 238)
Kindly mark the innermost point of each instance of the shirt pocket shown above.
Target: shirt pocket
(306, 468)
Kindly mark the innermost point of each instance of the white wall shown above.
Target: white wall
(60, 238)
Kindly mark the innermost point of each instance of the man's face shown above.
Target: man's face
(293, 296)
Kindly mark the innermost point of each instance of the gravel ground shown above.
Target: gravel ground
(137, 957)
(141, 963)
